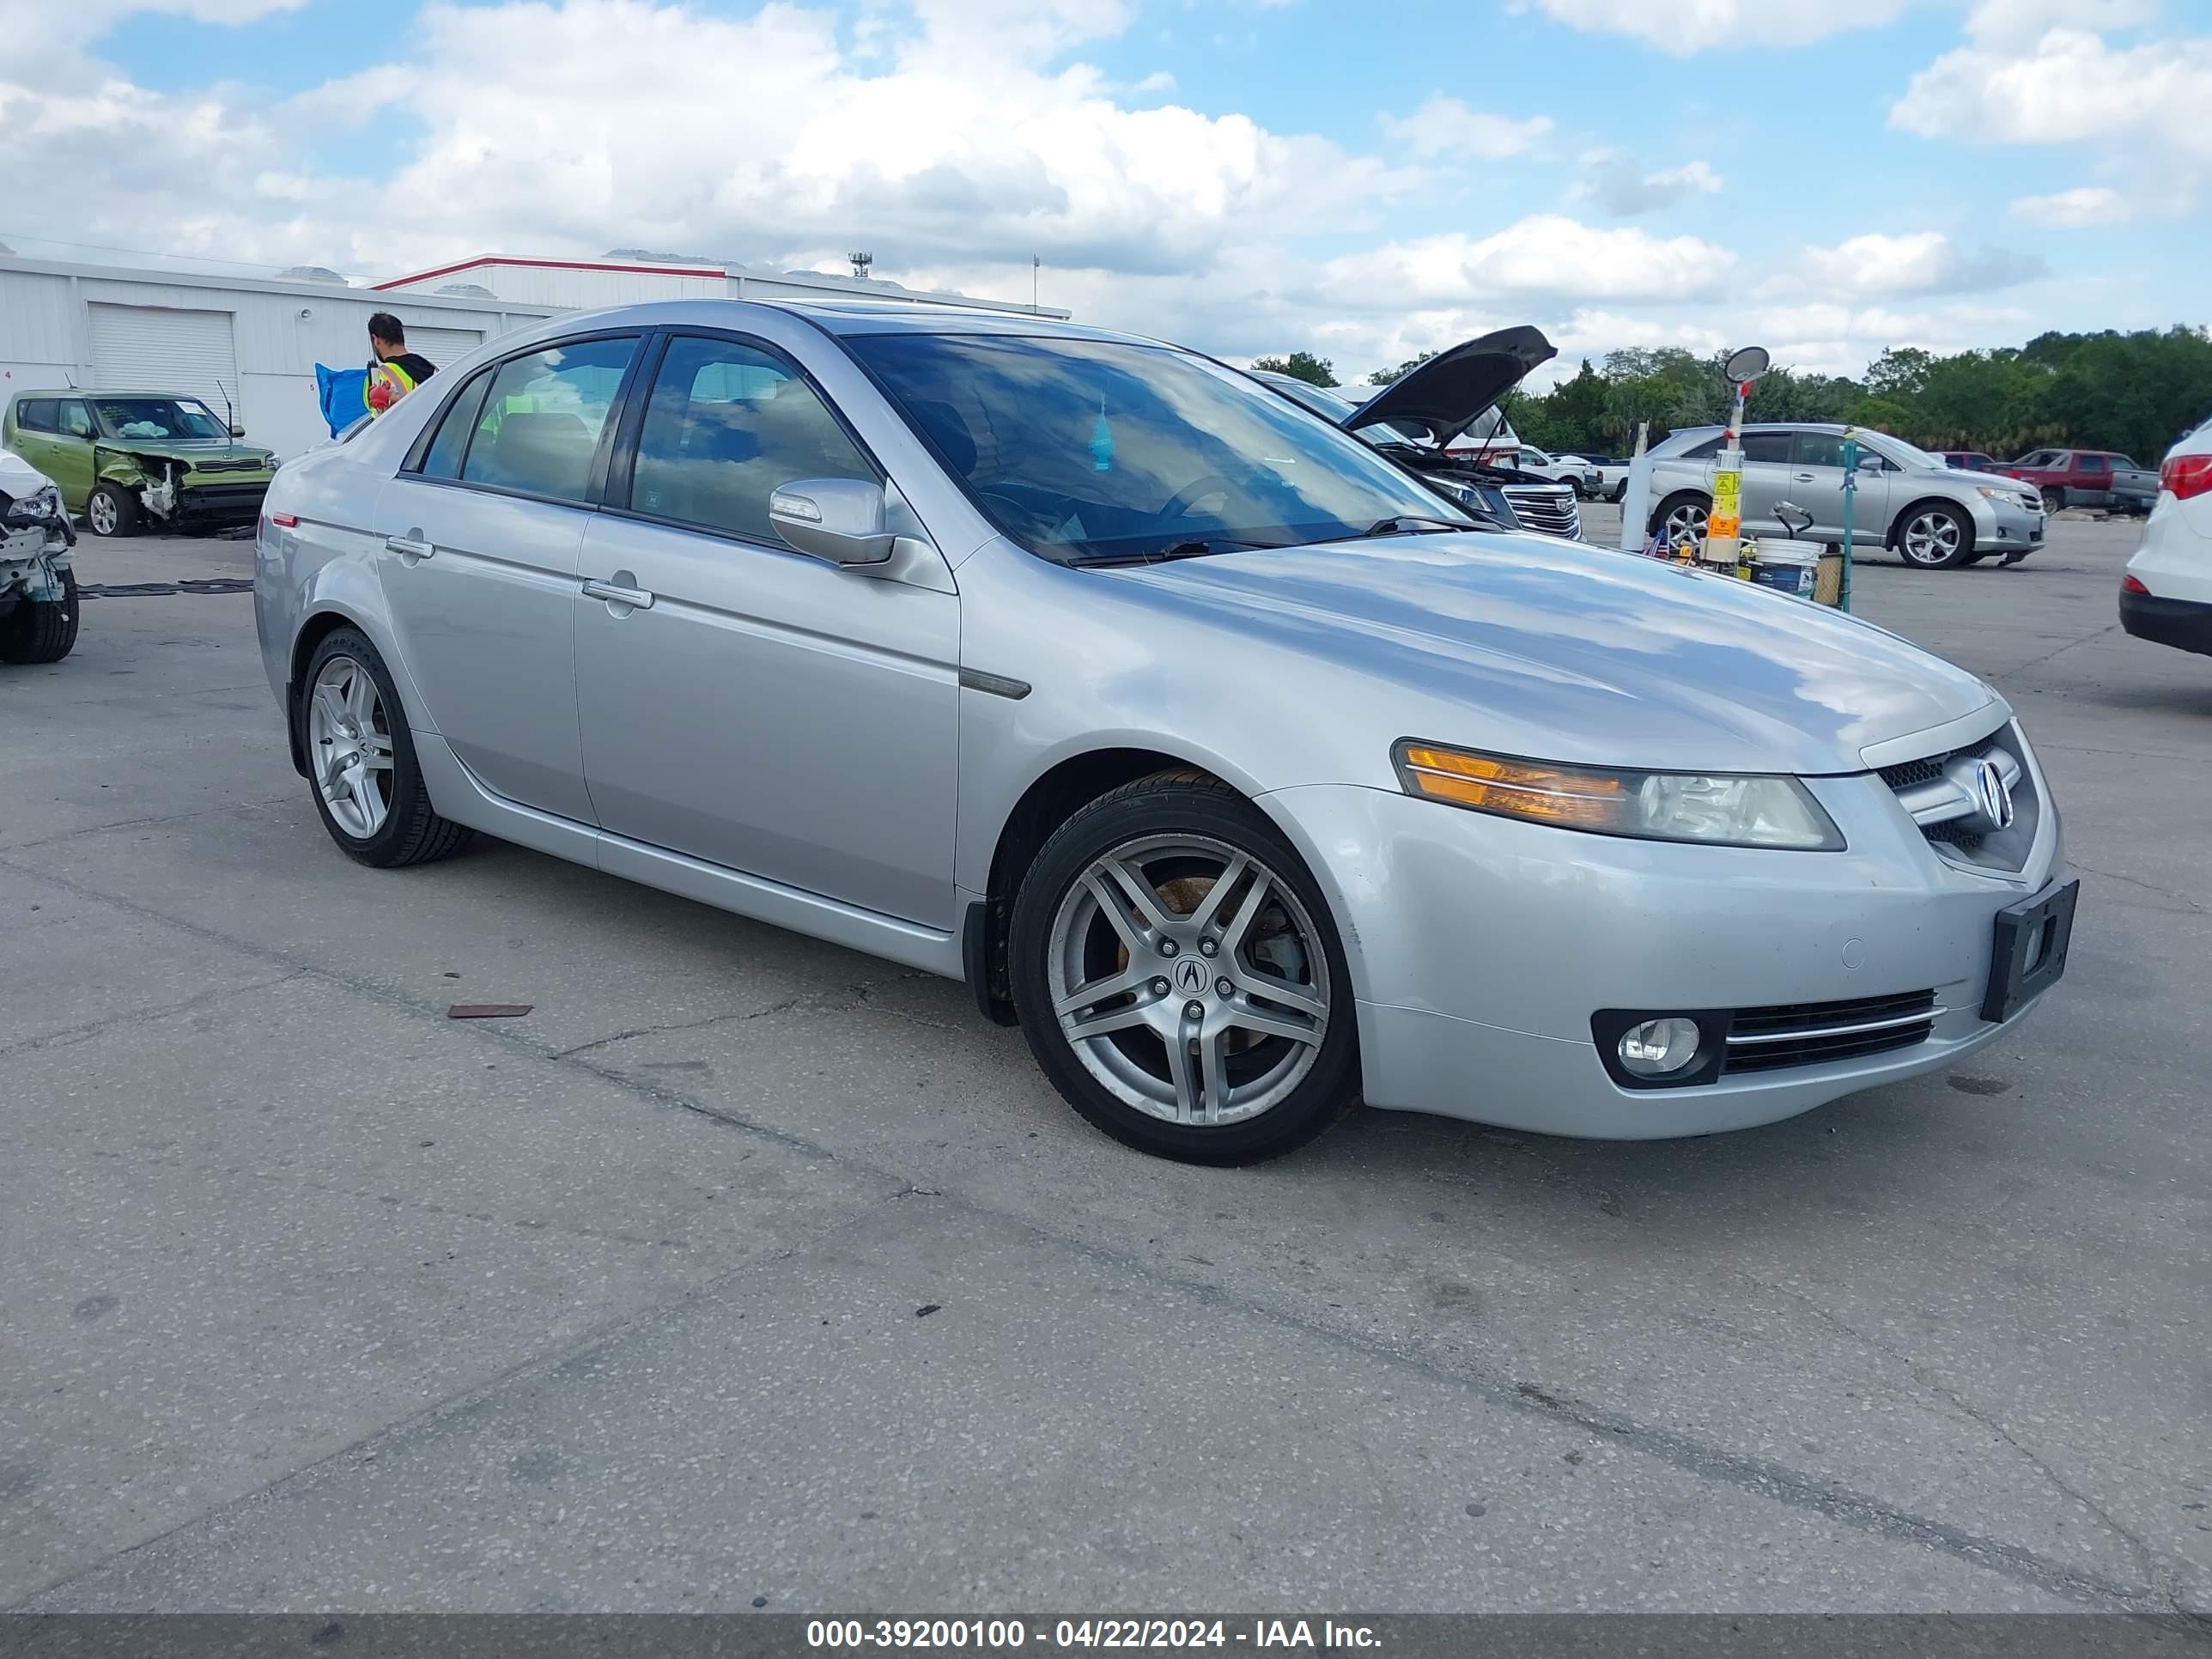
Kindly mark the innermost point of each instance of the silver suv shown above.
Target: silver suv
(1932, 515)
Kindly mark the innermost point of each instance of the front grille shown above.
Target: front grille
(244, 499)
(1946, 812)
(1548, 509)
(1814, 1033)
(246, 465)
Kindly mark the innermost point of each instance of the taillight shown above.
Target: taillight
(2186, 476)
(2133, 585)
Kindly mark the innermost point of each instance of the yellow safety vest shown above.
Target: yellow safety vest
(390, 375)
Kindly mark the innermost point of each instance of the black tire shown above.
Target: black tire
(412, 832)
(1972, 559)
(1681, 500)
(2054, 501)
(41, 632)
(112, 505)
(1961, 550)
(1171, 805)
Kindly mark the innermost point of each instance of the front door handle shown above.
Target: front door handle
(1804, 477)
(410, 546)
(616, 592)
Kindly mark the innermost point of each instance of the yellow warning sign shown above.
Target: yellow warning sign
(1728, 505)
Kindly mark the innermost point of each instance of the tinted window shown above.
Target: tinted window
(1772, 448)
(1704, 451)
(1098, 449)
(1821, 449)
(726, 426)
(76, 420)
(443, 458)
(2093, 463)
(540, 425)
(35, 414)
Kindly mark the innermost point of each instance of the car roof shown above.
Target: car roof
(100, 392)
(839, 317)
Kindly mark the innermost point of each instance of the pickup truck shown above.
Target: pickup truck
(2086, 478)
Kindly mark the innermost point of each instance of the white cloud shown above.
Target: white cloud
(2071, 210)
(2013, 19)
(1445, 126)
(2068, 86)
(1684, 26)
(1619, 186)
(1925, 262)
(1545, 256)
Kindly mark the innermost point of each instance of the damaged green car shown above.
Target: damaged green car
(131, 461)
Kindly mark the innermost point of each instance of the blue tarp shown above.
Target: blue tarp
(343, 394)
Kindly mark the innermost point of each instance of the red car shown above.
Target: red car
(2086, 478)
(1969, 460)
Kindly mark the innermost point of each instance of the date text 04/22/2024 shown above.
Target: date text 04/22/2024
(1011, 1635)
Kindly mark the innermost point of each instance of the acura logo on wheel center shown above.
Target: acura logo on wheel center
(1191, 976)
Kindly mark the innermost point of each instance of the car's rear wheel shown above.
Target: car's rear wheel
(110, 511)
(1683, 517)
(44, 630)
(1179, 978)
(361, 759)
(2054, 501)
(1936, 536)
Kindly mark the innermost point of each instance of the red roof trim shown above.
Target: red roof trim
(549, 264)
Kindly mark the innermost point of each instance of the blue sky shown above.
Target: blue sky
(1249, 175)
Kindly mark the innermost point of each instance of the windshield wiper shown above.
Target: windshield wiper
(1412, 524)
(1190, 550)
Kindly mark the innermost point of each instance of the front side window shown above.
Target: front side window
(539, 428)
(175, 419)
(76, 420)
(726, 426)
(1820, 449)
(1085, 450)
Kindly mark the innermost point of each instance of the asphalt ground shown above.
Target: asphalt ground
(746, 1267)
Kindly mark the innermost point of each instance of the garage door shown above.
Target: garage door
(153, 348)
(443, 346)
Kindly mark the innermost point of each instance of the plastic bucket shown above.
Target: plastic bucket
(1787, 566)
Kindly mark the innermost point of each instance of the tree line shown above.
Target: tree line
(2134, 393)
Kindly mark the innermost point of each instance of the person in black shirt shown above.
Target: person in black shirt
(387, 339)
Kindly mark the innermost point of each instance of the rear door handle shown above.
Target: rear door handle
(615, 593)
(410, 546)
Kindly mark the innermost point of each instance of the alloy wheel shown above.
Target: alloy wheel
(1932, 538)
(1188, 980)
(350, 746)
(1688, 523)
(100, 513)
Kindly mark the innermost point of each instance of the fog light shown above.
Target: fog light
(1659, 1048)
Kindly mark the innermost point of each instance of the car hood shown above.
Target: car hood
(190, 452)
(1558, 652)
(18, 478)
(1450, 391)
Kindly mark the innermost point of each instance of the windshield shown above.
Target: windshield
(157, 417)
(1088, 449)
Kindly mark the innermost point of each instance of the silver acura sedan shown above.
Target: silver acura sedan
(1230, 762)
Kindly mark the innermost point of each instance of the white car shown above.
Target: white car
(2167, 595)
(1570, 470)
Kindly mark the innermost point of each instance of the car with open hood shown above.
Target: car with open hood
(1246, 775)
(1422, 420)
(127, 461)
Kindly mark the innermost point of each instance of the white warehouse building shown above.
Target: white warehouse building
(249, 345)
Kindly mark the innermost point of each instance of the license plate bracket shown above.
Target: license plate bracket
(2030, 952)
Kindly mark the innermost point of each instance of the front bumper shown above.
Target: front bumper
(2185, 624)
(2011, 531)
(1481, 948)
(226, 503)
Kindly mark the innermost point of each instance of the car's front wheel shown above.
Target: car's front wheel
(1179, 978)
(1936, 536)
(110, 511)
(41, 630)
(361, 759)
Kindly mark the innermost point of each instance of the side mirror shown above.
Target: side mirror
(841, 519)
(1868, 461)
(237, 431)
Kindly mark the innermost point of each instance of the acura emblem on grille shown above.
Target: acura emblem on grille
(1992, 797)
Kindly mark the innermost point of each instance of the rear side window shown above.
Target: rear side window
(726, 425)
(539, 426)
(1770, 447)
(1703, 452)
(443, 458)
(35, 414)
(2094, 463)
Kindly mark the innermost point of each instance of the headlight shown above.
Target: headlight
(2012, 495)
(1719, 810)
(41, 505)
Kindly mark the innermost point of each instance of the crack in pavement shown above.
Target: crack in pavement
(129, 1015)
(1757, 1476)
(227, 807)
(2189, 905)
